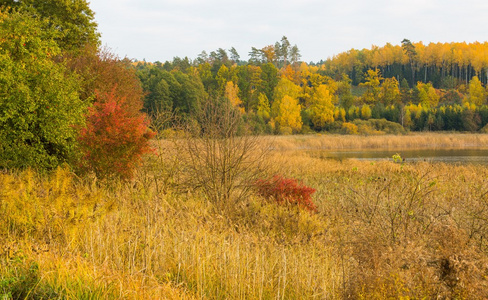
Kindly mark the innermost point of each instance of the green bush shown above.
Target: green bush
(39, 104)
(378, 126)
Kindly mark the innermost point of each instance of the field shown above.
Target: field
(382, 230)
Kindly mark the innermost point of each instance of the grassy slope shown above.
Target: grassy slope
(382, 230)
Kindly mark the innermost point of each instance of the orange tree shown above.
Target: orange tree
(113, 140)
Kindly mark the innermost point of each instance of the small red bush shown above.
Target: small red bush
(114, 139)
(286, 191)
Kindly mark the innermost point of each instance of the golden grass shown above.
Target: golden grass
(383, 230)
(410, 141)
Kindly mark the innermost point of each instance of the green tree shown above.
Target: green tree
(263, 110)
(428, 96)
(284, 50)
(270, 79)
(40, 109)
(73, 20)
(234, 56)
(157, 94)
(346, 99)
(405, 94)
(190, 95)
(410, 51)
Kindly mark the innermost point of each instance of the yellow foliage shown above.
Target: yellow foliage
(49, 207)
(285, 87)
(365, 112)
(232, 94)
(477, 94)
(288, 114)
(263, 108)
(349, 128)
(321, 108)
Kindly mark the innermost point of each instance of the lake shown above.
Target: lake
(461, 156)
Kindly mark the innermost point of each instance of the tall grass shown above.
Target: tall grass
(382, 230)
(411, 141)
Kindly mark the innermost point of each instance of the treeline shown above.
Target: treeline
(445, 65)
(277, 93)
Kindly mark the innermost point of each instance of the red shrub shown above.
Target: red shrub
(114, 139)
(286, 191)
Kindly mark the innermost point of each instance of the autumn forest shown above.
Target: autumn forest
(430, 87)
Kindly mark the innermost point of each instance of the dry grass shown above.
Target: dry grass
(411, 141)
(383, 230)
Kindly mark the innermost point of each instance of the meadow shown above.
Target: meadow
(381, 230)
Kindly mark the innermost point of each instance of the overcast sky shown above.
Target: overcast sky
(158, 30)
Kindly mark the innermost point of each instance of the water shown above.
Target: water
(461, 156)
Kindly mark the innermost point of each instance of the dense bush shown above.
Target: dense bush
(39, 103)
(285, 191)
(113, 140)
(378, 126)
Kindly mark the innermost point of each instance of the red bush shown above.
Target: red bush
(114, 139)
(286, 191)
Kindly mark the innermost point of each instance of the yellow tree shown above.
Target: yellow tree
(321, 108)
(222, 78)
(232, 94)
(365, 112)
(289, 73)
(286, 87)
(269, 53)
(287, 112)
(477, 93)
(372, 84)
(263, 110)
(428, 96)
(390, 92)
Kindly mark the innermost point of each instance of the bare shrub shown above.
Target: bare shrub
(222, 159)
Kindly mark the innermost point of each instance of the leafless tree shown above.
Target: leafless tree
(223, 159)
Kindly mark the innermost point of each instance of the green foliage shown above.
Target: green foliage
(397, 158)
(73, 20)
(372, 96)
(344, 92)
(173, 91)
(39, 103)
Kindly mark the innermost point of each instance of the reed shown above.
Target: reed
(382, 230)
(410, 141)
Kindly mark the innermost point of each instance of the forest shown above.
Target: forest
(438, 87)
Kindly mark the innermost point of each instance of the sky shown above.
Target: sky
(159, 30)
